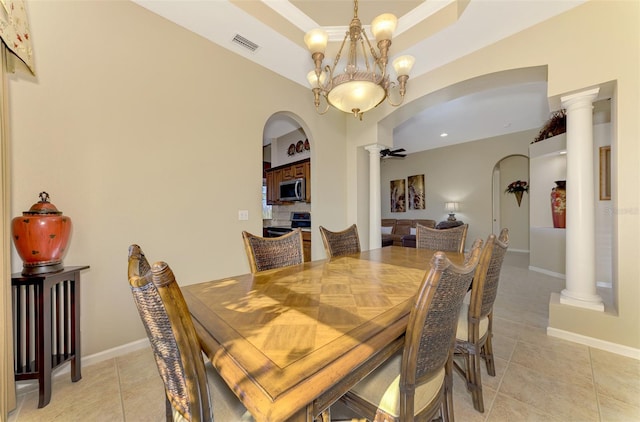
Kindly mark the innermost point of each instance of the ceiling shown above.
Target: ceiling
(436, 32)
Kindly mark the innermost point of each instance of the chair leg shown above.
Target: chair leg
(447, 405)
(473, 372)
(168, 409)
(487, 353)
(465, 372)
(325, 416)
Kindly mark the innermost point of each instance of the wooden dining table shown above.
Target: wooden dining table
(291, 341)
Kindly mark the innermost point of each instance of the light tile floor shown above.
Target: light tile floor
(538, 378)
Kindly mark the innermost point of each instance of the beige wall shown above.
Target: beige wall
(591, 45)
(145, 133)
(461, 173)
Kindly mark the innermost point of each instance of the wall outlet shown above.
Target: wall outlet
(243, 214)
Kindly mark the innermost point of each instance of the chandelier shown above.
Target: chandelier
(364, 83)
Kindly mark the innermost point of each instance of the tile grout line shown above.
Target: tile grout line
(124, 417)
(595, 385)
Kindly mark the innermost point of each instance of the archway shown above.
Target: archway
(507, 210)
(287, 152)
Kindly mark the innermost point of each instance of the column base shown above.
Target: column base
(593, 302)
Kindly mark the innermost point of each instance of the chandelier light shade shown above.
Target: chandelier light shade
(364, 81)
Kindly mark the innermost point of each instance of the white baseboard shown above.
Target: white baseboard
(547, 272)
(519, 250)
(65, 369)
(618, 349)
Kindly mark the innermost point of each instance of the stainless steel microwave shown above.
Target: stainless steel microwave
(292, 190)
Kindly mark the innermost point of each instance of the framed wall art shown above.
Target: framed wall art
(398, 196)
(416, 192)
(605, 173)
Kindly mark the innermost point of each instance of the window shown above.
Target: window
(266, 209)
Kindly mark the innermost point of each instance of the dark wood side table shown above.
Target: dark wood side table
(46, 326)
(448, 224)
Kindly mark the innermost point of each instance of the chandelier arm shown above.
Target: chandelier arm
(364, 55)
(316, 100)
(317, 60)
(383, 46)
(344, 40)
(403, 90)
(329, 85)
(395, 104)
(379, 61)
(323, 112)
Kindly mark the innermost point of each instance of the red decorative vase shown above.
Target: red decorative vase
(559, 204)
(40, 237)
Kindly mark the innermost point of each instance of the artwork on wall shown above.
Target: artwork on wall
(416, 192)
(398, 196)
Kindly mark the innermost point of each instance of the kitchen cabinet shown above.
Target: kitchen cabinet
(275, 175)
(306, 245)
(307, 181)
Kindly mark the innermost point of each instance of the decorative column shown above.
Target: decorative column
(375, 235)
(580, 288)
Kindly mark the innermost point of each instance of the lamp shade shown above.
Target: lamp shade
(356, 95)
(316, 40)
(403, 65)
(383, 26)
(451, 206)
(314, 80)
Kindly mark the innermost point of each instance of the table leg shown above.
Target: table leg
(44, 346)
(303, 415)
(76, 374)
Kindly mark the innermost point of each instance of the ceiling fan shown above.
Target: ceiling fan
(387, 153)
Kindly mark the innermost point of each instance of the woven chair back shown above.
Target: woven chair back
(430, 336)
(485, 282)
(340, 243)
(446, 240)
(266, 253)
(168, 323)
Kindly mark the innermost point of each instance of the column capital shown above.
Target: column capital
(579, 98)
(374, 148)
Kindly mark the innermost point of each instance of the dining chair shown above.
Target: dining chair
(340, 243)
(167, 321)
(446, 240)
(266, 253)
(475, 323)
(417, 382)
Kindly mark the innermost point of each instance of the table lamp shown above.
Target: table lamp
(451, 208)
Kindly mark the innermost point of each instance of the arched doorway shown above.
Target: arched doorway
(507, 210)
(287, 151)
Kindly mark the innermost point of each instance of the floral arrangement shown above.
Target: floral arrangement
(517, 186)
(556, 125)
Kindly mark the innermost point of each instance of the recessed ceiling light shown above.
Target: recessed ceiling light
(443, 134)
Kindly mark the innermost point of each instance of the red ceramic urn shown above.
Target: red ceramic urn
(41, 236)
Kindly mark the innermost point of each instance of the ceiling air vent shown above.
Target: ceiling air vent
(243, 42)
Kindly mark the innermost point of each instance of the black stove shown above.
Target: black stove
(298, 220)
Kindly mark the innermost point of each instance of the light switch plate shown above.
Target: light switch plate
(243, 214)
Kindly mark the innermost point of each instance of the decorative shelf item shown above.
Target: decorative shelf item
(518, 188)
(556, 125)
(559, 204)
(40, 236)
